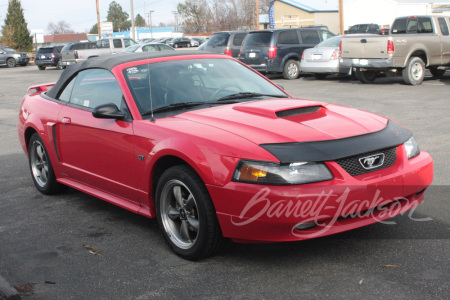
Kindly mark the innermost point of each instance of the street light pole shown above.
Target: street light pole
(98, 22)
(133, 36)
(151, 26)
(341, 17)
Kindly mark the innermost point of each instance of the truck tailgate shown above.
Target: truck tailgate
(67, 55)
(364, 46)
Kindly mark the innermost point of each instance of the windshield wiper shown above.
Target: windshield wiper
(249, 95)
(172, 106)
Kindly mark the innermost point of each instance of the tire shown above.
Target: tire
(59, 66)
(11, 62)
(186, 214)
(320, 75)
(41, 167)
(437, 72)
(367, 76)
(414, 73)
(41, 68)
(291, 69)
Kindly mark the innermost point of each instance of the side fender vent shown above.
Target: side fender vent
(298, 111)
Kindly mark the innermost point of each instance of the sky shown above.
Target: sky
(82, 14)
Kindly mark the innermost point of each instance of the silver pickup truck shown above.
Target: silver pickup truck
(102, 47)
(414, 44)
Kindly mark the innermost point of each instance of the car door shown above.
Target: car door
(96, 152)
(445, 40)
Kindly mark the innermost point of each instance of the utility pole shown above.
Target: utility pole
(98, 22)
(176, 20)
(341, 17)
(151, 25)
(257, 14)
(133, 35)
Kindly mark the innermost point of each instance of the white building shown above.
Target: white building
(383, 12)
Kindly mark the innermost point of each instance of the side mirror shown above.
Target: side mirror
(108, 111)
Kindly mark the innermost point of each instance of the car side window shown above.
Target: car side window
(103, 44)
(443, 26)
(399, 26)
(288, 37)
(326, 35)
(67, 92)
(117, 43)
(95, 87)
(310, 37)
(149, 48)
(238, 38)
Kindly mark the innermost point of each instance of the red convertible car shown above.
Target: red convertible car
(216, 151)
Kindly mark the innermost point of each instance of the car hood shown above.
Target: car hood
(288, 120)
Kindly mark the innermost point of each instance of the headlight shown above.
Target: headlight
(16, 55)
(270, 173)
(412, 150)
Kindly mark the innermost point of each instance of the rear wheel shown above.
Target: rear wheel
(414, 73)
(437, 72)
(41, 68)
(291, 69)
(367, 76)
(41, 167)
(11, 62)
(59, 66)
(186, 214)
(319, 75)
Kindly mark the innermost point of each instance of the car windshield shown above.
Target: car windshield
(196, 81)
(331, 42)
(133, 48)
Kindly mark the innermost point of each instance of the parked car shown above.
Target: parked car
(102, 47)
(146, 41)
(280, 50)
(324, 59)
(364, 28)
(11, 58)
(414, 44)
(226, 42)
(179, 42)
(150, 47)
(199, 40)
(49, 57)
(68, 52)
(163, 40)
(194, 43)
(212, 149)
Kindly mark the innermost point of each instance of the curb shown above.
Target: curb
(7, 291)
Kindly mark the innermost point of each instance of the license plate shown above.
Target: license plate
(252, 55)
(316, 56)
(363, 62)
(42, 56)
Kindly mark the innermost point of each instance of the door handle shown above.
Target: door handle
(66, 121)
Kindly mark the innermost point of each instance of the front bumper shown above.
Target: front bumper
(369, 63)
(250, 212)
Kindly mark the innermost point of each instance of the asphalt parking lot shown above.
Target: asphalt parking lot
(74, 246)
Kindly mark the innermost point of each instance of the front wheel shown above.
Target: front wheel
(186, 215)
(414, 73)
(41, 167)
(367, 76)
(291, 69)
(11, 62)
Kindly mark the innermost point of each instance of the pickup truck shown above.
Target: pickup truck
(414, 44)
(102, 47)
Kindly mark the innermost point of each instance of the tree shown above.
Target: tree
(139, 21)
(15, 32)
(62, 27)
(94, 29)
(195, 14)
(118, 17)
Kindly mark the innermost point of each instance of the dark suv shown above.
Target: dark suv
(48, 57)
(226, 42)
(179, 42)
(280, 50)
(12, 58)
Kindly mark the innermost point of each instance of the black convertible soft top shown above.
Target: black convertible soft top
(108, 62)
